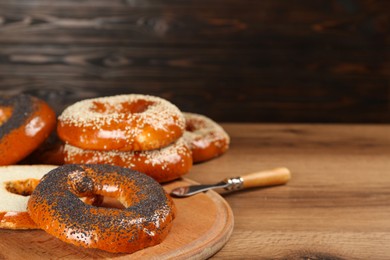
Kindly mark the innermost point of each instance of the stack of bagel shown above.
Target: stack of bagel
(145, 133)
(134, 131)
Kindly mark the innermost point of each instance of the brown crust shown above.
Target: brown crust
(124, 122)
(28, 133)
(163, 165)
(146, 220)
(206, 138)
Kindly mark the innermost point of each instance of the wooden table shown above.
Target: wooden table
(336, 206)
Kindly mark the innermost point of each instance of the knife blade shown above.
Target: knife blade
(277, 176)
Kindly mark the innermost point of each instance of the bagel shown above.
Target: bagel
(131, 122)
(25, 122)
(206, 138)
(145, 221)
(163, 165)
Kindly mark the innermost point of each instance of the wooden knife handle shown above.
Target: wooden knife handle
(272, 177)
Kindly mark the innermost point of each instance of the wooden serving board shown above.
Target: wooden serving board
(203, 225)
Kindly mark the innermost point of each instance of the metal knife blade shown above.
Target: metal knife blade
(190, 190)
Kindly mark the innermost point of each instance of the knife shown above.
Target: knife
(277, 176)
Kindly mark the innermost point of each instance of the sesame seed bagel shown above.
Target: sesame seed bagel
(145, 221)
(125, 122)
(165, 164)
(25, 122)
(206, 138)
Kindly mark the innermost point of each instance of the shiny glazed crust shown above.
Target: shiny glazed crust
(145, 221)
(163, 165)
(206, 138)
(27, 121)
(124, 122)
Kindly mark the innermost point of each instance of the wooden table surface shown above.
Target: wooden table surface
(336, 206)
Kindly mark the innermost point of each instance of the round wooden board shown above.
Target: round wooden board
(203, 225)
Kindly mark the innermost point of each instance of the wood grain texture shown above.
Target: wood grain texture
(336, 205)
(294, 61)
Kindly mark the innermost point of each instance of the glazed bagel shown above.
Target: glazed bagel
(25, 122)
(206, 138)
(163, 165)
(124, 122)
(16, 184)
(145, 221)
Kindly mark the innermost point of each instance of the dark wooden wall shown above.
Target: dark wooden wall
(233, 60)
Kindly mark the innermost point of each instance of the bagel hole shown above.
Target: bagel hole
(193, 125)
(137, 106)
(5, 114)
(109, 202)
(21, 187)
(102, 201)
(190, 128)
